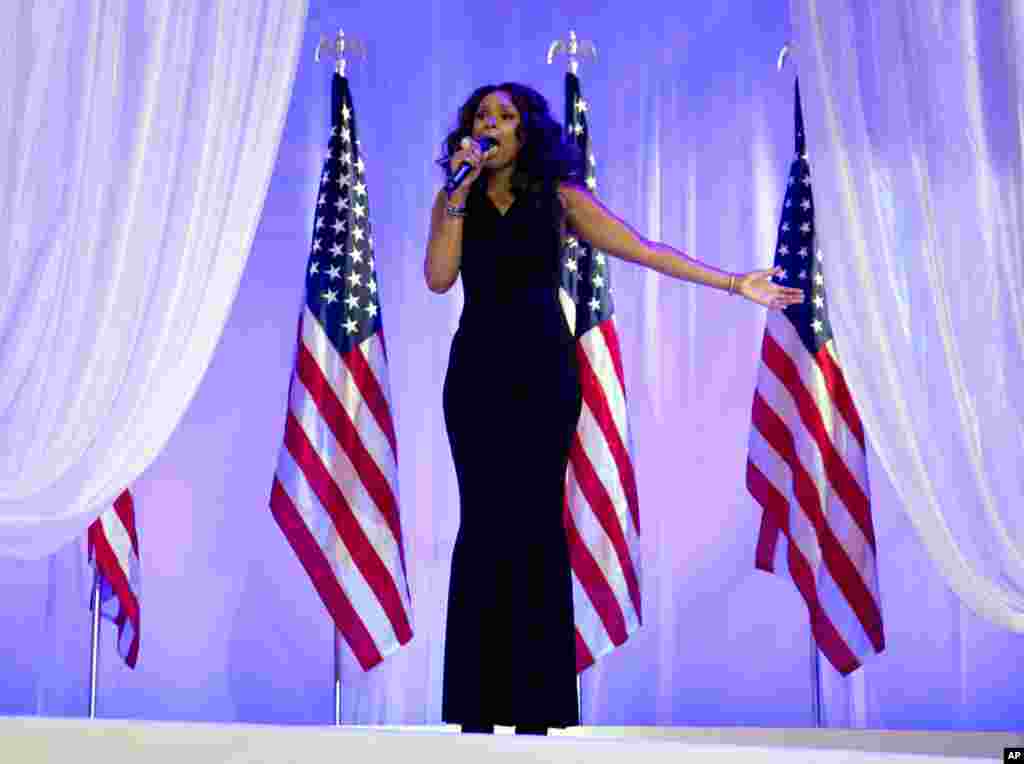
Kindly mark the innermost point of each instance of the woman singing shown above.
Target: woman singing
(512, 400)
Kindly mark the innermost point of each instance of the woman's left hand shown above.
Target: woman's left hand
(759, 287)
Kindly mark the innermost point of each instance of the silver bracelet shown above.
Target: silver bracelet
(455, 212)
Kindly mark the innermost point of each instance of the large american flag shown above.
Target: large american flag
(806, 465)
(602, 517)
(335, 492)
(114, 554)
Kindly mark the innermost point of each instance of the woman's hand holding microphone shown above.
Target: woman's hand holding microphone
(469, 153)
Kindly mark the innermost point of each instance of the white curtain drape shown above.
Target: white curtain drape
(915, 114)
(139, 139)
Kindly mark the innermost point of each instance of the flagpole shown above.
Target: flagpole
(816, 708)
(94, 649)
(574, 49)
(579, 697)
(816, 685)
(337, 678)
(341, 47)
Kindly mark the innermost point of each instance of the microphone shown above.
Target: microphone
(465, 168)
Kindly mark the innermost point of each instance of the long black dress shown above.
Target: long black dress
(511, 403)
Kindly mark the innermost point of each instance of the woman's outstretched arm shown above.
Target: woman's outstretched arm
(598, 225)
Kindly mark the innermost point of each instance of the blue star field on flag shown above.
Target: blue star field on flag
(797, 252)
(341, 281)
(585, 274)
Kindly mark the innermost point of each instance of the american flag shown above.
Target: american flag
(602, 517)
(806, 465)
(335, 492)
(114, 553)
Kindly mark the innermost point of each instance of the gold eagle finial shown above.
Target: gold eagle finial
(574, 48)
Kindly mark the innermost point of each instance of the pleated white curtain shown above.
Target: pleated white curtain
(915, 114)
(139, 139)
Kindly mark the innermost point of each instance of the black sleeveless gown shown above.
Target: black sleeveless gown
(511, 404)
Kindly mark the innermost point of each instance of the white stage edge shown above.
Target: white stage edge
(27, 740)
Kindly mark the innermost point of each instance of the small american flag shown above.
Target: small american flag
(335, 492)
(806, 465)
(602, 515)
(114, 553)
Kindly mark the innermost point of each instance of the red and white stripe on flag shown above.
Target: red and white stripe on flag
(602, 517)
(807, 469)
(335, 490)
(114, 552)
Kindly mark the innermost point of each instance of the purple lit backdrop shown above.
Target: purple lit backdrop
(693, 132)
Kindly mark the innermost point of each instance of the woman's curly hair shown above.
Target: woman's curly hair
(546, 157)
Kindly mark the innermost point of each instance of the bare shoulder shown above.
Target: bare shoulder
(580, 203)
(572, 194)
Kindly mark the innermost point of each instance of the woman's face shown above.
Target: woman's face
(497, 117)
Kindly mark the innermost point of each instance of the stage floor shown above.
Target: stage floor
(27, 740)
